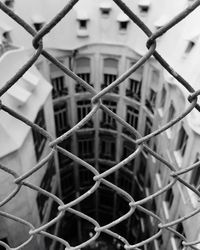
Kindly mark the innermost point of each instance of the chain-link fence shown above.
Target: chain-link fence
(140, 142)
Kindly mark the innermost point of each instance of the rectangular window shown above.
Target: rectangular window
(85, 177)
(110, 72)
(182, 141)
(83, 24)
(86, 145)
(82, 69)
(151, 100)
(132, 115)
(125, 180)
(148, 128)
(38, 139)
(59, 88)
(83, 108)
(171, 112)
(104, 167)
(61, 119)
(107, 121)
(123, 25)
(108, 79)
(169, 197)
(67, 181)
(86, 77)
(179, 229)
(142, 170)
(128, 149)
(107, 147)
(134, 90)
(163, 97)
(195, 176)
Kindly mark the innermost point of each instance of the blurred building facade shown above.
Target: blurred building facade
(148, 99)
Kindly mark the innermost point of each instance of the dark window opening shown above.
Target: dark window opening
(107, 121)
(86, 145)
(61, 118)
(9, 3)
(125, 181)
(189, 47)
(182, 141)
(132, 115)
(107, 147)
(62, 126)
(108, 79)
(110, 73)
(195, 176)
(123, 25)
(151, 100)
(128, 149)
(171, 113)
(83, 24)
(104, 167)
(106, 199)
(38, 26)
(148, 128)
(142, 171)
(38, 139)
(169, 197)
(83, 108)
(59, 88)
(134, 90)
(105, 11)
(6, 38)
(179, 229)
(144, 8)
(86, 77)
(163, 97)
(67, 181)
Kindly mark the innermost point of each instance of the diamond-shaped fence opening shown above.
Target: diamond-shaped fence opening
(77, 206)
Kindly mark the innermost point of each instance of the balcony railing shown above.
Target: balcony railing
(59, 93)
(130, 93)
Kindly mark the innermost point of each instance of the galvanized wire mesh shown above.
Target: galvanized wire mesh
(140, 142)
